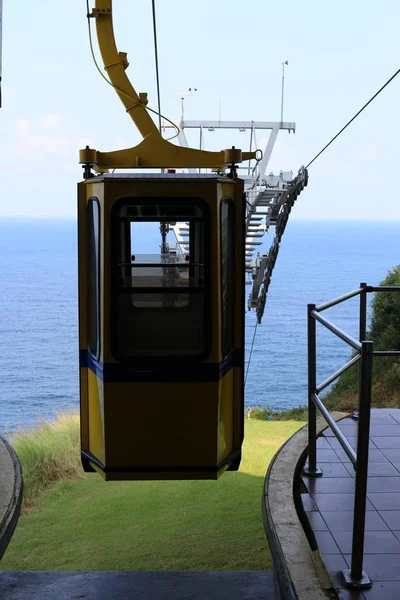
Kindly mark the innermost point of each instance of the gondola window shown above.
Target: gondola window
(161, 287)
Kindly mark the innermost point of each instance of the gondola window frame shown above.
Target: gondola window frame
(116, 219)
(227, 274)
(93, 243)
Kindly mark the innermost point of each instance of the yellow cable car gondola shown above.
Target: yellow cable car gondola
(162, 341)
(161, 336)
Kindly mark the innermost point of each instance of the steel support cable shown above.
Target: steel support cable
(281, 225)
(153, 4)
(355, 116)
(251, 352)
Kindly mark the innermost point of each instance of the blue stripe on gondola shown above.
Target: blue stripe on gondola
(160, 372)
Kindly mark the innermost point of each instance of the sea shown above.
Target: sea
(317, 262)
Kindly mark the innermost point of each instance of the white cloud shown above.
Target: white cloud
(40, 140)
(51, 120)
(30, 142)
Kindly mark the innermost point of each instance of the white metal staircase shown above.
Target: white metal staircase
(269, 200)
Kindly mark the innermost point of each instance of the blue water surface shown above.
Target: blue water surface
(39, 324)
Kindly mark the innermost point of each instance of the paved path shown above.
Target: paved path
(125, 585)
(330, 498)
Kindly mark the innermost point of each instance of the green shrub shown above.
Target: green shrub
(267, 414)
(49, 454)
(260, 414)
(385, 333)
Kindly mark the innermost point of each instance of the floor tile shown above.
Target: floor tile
(393, 454)
(392, 518)
(323, 443)
(381, 567)
(316, 521)
(397, 533)
(387, 418)
(337, 578)
(350, 469)
(343, 520)
(326, 542)
(343, 456)
(328, 432)
(327, 455)
(308, 502)
(385, 469)
(396, 465)
(332, 485)
(334, 562)
(387, 442)
(374, 455)
(333, 469)
(382, 590)
(351, 430)
(395, 415)
(378, 429)
(375, 542)
(384, 484)
(385, 500)
(349, 425)
(345, 594)
(335, 444)
(336, 502)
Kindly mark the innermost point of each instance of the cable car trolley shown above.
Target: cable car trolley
(161, 333)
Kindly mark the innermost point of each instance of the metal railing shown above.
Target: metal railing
(355, 576)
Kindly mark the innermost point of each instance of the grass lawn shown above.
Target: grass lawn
(90, 525)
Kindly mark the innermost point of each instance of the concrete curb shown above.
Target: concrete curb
(300, 573)
(10, 493)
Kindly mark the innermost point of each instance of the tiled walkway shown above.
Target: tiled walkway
(329, 505)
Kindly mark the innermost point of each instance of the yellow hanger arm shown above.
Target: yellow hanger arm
(115, 64)
(155, 152)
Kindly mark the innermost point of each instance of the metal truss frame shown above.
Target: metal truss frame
(266, 197)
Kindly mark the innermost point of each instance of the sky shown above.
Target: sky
(339, 54)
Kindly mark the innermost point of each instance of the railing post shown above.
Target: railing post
(356, 577)
(363, 312)
(312, 470)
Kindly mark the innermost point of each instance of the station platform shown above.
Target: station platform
(328, 503)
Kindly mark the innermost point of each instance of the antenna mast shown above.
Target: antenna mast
(283, 86)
